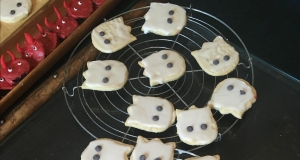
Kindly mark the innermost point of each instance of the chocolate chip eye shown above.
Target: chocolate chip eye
(63, 21)
(12, 12)
(9, 69)
(108, 67)
(155, 118)
(105, 80)
(171, 12)
(164, 56)
(230, 87)
(79, 3)
(101, 33)
(106, 41)
(203, 126)
(159, 108)
(75, 9)
(226, 58)
(169, 20)
(19, 4)
(189, 128)
(34, 48)
(1, 79)
(96, 157)
(142, 157)
(216, 62)
(170, 65)
(44, 35)
(57, 27)
(19, 63)
(157, 159)
(242, 92)
(98, 148)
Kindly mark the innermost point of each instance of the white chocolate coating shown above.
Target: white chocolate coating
(110, 150)
(117, 75)
(116, 32)
(156, 67)
(144, 108)
(231, 101)
(6, 6)
(156, 19)
(215, 157)
(195, 117)
(153, 149)
(216, 50)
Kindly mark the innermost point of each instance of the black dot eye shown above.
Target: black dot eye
(98, 148)
(19, 63)
(34, 48)
(230, 87)
(171, 12)
(63, 21)
(1, 79)
(108, 67)
(105, 80)
(226, 58)
(12, 12)
(79, 2)
(169, 20)
(75, 9)
(159, 108)
(19, 4)
(26, 54)
(189, 128)
(155, 118)
(242, 92)
(101, 33)
(142, 157)
(170, 65)
(9, 69)
(164, 56)
(203, 126)
(96, 157)
(57, 27)
(106, 41)
(44, 35)
(216, 62)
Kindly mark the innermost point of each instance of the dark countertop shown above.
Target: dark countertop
(269, 130)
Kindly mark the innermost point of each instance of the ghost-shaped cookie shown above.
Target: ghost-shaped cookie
(111, 36)
(217, 58)
(12, 11)
(233, 96)
(106, 149)
(163, 66)
(164, 19)
(153, 149)
(106, 75)
(196, 126)
(215, 157)
(152, 114)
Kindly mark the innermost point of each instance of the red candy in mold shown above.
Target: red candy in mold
(98, 2)
(48, 39)
(14, 70)
(33, 51)
(3, 84)
(63, 26)
(79, 8)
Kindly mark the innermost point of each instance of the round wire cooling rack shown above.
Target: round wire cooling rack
(102, 114)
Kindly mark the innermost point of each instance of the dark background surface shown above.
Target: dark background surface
(269, 130)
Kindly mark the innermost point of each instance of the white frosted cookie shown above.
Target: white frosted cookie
(217, 58)
(163, 66)
(196, 126)
(12, 11)
(215, 157)
(153, 149)
(152, 114)
(164, 19)
(106, 75)
(111, 36)
(106, 149)
(234, 96)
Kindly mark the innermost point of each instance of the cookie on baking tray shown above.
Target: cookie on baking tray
(152, 114)
(106, 75)
(106, 149)
(217, 58)
(163, 66)
(215, 157)
(12, 11)
(153, 149)
(111, 36)
(164, 19)
(233, 96)
(196, 126)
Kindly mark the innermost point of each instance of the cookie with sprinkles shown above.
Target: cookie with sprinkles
(111, 36)
(12, 11)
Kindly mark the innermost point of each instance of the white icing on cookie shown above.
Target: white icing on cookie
(157, 19)
(157, 69)
(111, 36)
(152, 114)
(215, 157)
(153, 149)
(14, 10)
(191, 126)
(106, 149)
(233, 101)
(217, 58)
(106, 75)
